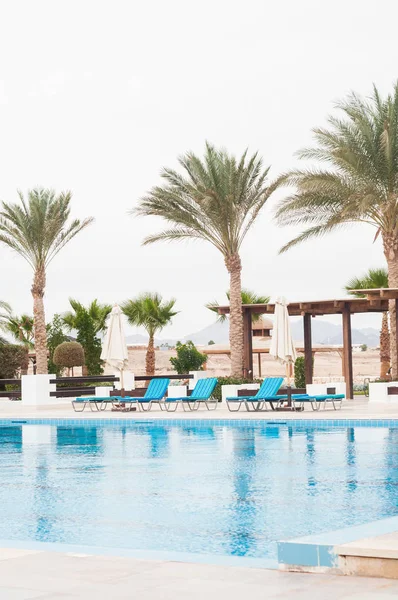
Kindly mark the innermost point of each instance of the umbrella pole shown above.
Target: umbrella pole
(121, 383)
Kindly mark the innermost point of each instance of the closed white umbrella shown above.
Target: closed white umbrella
(114, 349)
(282, 346)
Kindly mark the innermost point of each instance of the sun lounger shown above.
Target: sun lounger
(316, 401)
(202, 393)
(98, 402)
(156, 392)
(266, 394)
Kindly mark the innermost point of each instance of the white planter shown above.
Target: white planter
(103, 392)
(36, 390)
(318, 389)
(128, 381)
(228, 391)
(177, 391)
(196, 376)
(378, 393)
(231, 391)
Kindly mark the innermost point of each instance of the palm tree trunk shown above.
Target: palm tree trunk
(390, 244)
(150, 356)
(39, 284)
(234, 266)
(384, 347)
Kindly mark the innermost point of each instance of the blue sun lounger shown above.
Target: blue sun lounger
(156, 392)
(98, 402)
(202, 393)
(267, 393)
(317, 400)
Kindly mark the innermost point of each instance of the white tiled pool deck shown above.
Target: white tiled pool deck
(28, 574)
(31, 574)
(352, 409)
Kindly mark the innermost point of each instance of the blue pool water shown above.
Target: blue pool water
(219, 490)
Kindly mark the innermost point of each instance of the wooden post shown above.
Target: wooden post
(247, 344)
(347, 352)
(259, 364)
(396, 327)
(307, 348)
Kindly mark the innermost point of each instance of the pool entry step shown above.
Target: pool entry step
(370, 550)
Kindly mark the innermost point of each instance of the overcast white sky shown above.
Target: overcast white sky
(97, 96)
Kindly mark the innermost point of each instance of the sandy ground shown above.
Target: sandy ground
(326, 366)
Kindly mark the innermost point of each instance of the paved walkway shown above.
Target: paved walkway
(27, 575)
(352, 409)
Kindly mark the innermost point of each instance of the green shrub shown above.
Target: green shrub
(55, 337)
(13, 358)
(364, 347)
(299, 372)
(69, 354)
(188, 358)
(230, 381)
(87, 337)
(211, 343)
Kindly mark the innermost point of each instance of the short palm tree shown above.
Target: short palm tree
(248, 297)
(88, 322)
(216, 199)
(359, 183)
(153, 313)
(98, 314)
(376, 279)
(22, 329)
(37, 229)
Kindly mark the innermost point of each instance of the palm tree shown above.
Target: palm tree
(150, 311)
(88, 322)
(22, 329)
(375, 279)
(248, 297)
(359, 183)
(97, 312)
(37, 229)
(216, 199)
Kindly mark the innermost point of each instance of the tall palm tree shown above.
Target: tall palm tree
(359, 183)
(37, 229)
(216, 199)
(248, 297)
(97, 312)
(375, 279)
(153, 313)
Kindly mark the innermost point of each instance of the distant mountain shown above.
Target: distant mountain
(218, 332)
(331, 334)
(323, 332)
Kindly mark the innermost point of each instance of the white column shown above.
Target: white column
(36, 390)
(196, 376)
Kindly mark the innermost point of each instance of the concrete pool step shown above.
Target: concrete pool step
(371, 557)
(370, 549)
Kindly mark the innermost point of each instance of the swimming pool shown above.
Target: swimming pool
(222, 490)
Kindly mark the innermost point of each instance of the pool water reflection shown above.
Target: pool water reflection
(223, 490)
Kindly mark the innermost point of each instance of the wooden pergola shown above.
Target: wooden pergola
(376, 300)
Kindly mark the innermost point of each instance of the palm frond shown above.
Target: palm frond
(150, 311)
(38, 227)
(373, 279)
(216, 198)
(359, 183)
